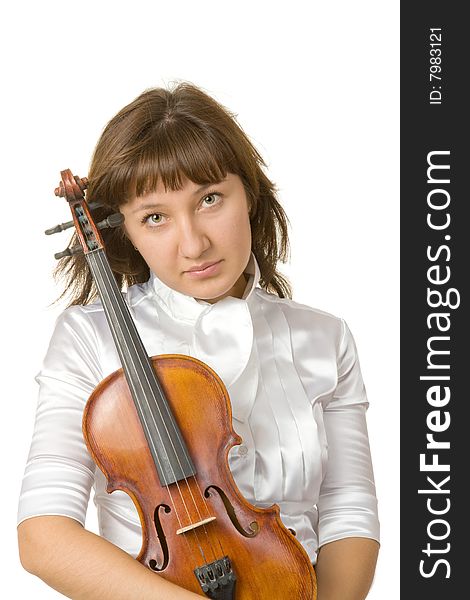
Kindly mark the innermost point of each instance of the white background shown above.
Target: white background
(314, 84)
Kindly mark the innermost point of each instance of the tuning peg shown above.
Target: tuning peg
(112, 221)
(68, 224)
(68, 252)
(58, 228)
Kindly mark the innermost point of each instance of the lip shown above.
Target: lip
(203, 270)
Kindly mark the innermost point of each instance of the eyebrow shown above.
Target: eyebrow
(153, 205)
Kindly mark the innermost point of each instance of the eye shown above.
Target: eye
(152, 219)
(212, 198)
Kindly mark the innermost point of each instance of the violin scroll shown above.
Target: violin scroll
(67, 188)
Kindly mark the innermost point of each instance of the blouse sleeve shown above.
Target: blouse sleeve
(347, 504)
(60, 472)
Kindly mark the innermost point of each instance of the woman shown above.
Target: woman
(197, 253)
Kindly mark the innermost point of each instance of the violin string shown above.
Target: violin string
(172, 423)
(104, 270)
(202, 498)
(149, 437)
(188, 462)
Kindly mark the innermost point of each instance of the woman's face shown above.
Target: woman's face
(198, 226)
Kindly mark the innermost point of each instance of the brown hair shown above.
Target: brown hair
(170, 135)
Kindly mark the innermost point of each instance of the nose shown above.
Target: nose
(192, 239)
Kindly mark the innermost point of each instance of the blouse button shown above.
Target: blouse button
(242, 450)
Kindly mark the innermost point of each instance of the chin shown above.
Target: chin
(211, 294)
(210, 297)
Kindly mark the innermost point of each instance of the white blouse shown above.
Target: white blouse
(298, 402)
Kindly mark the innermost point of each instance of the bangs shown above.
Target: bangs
(164, 139)
(176, 152)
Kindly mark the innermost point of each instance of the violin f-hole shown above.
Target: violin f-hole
(153, 564)
(252, 529)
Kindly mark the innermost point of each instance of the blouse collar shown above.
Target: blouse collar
(186, 308)
(226, 324)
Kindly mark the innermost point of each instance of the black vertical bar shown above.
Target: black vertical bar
(435, 427)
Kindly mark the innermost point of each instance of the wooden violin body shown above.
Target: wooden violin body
(267, 560)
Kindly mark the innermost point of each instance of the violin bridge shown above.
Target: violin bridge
(194, 525)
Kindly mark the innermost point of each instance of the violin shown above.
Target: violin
(160, 429)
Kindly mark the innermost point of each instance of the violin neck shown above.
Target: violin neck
(164, 438)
